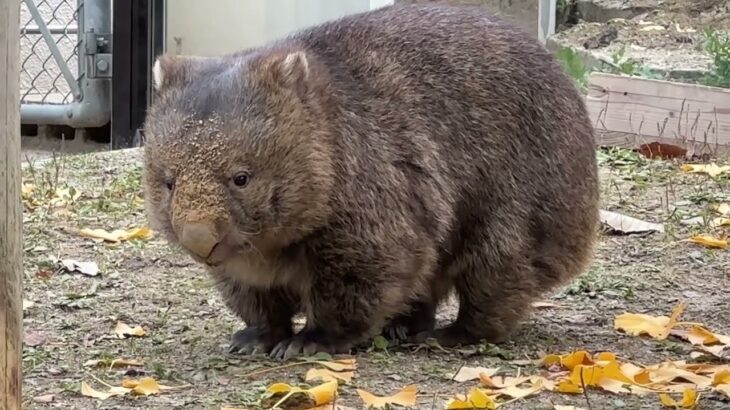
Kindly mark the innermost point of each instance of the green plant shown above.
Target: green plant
(718, 46)
(573, 66)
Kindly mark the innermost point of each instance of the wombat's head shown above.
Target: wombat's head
(237, 152)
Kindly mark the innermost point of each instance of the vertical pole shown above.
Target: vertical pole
(546, 19)
(11, 300)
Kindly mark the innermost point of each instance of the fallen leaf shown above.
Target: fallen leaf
(328, 375)
(709, 241)
(690, 398)
(46, 398)
(699, 335)
(544, 305)
(87, 390)
(658, 327)
(724, 389)
(144, 386)
(405, 397)
(722, 209)
(27, 304)
(721, 377)
(517, 392)
(472, 373)
(114, 363)
(123, 330)
(711, 169)
(560, 407)
(476, 399)
(87, 268)
(34, 338)
(118, 235)
(339, 365)
(653, 28)
(627, 225)
(323, 394)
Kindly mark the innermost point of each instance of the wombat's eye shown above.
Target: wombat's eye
(240, 179)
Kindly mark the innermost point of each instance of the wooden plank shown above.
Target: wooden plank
(655, 110)
(11, 268)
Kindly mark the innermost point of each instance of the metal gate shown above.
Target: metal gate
(66, 64)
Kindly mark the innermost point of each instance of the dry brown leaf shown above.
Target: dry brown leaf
(123, 330)
(690, 397)
(405, 397)
(476, 399)
(658, 327)
(328, 375)
(472, 373)
(709, 241)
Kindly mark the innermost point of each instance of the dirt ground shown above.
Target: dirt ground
(147, 283)
(665, 35)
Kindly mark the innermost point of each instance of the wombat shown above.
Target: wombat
(360, 170)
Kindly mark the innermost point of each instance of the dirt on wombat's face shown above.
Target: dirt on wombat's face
(360, 170)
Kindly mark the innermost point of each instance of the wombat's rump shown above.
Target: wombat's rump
(360, 170)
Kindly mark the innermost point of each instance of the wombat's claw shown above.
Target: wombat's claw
(304, 343)
(396, 332)
(247, 341)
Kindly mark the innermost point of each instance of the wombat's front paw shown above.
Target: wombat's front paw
(307, 343)
(251, 340)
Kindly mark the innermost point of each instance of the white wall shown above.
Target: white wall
(216, 27)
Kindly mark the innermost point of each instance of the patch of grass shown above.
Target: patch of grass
(574, 67)
(719, 48)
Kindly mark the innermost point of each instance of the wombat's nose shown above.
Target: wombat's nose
(199, 239)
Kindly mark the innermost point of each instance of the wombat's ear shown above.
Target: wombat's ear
(289, 70)
(173, 71)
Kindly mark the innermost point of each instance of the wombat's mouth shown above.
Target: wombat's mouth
(224, 251)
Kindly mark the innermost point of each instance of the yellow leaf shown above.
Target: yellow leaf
(519, 392)
(466, 373)
(722, 209)
(26, 190)
(699, 335)
(501, 382)
(328, 375)
(145, 386)
(709, 241)
(721, 377)
(476, 399)
(322, 394)
(339, 365)
(118, 235)
(405, 397)
(690, 397)
(566, 386)
(712, 169)
(123, 330)
(659, 327)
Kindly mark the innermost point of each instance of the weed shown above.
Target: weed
(718, 46)
(574, 67)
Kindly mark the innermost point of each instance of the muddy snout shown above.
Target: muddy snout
(200, 239)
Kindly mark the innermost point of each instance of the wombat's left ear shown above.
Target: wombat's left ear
(290, 70)
(174, 71)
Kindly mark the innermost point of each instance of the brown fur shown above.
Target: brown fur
(394, 156)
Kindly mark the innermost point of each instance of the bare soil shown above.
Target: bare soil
(150, 284)
(663, 35)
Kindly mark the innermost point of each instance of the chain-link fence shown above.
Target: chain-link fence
(65, 76)
(42, 78)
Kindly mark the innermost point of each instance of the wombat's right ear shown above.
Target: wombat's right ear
(173, 71)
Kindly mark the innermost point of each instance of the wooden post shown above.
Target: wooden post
(11, 216)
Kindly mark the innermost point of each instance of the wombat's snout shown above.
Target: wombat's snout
(199, 239)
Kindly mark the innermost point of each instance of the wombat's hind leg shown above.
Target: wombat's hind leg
(491, 305)
(421, 318)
